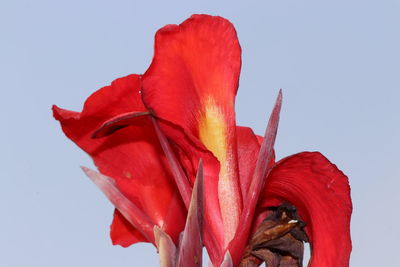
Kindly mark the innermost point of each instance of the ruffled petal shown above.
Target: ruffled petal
(132, 156)
(321, 194)
(192, 82)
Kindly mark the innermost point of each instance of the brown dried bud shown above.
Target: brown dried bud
(278, 241)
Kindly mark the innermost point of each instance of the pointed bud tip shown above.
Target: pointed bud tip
(279, 98)
(89, 172)
(85, 169)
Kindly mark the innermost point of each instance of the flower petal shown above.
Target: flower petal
(123, 233)
(132, 156)
(248, 148)
(199, 61)
(321, 194)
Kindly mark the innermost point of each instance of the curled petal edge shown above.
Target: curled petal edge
(321, 194)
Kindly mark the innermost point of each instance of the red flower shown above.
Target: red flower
(179, 112)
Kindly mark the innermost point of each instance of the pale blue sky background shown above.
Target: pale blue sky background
(338, 63)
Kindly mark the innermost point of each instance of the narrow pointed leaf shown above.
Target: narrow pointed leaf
(130, 211)
(266, 154)
(166, 248)
(190, 248)
(181, 180)
(118, 122)
(248, 148)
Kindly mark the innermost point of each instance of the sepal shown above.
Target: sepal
(266, 154)
(130, 211)
(166, 248)
(191, 245)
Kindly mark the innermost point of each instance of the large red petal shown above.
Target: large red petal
(123, 95)
(132, 156)
(321, 194)
(192, 82)
(194, 63)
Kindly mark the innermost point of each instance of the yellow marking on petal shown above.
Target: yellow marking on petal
(213, 132)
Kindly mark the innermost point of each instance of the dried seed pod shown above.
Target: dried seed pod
(278, 241)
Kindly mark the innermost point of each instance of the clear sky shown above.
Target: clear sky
(338, 63)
